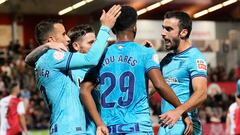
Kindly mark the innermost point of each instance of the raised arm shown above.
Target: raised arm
(79, 60)
(107, 20)
(34, 55)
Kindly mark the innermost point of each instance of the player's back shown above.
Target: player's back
(123, 87)
(60, 93)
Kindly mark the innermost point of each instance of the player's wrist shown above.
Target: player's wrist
(180, 110)
(100, 123)
(25, 131)
(105, 28)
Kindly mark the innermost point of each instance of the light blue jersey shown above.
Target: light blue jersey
(78, 76)
(123, 88)
(178, 70)
(61, 94)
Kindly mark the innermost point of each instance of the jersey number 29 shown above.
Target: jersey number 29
(126, 85)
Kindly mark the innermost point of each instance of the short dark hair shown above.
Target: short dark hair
(77, 32)
(12, 86)
(43, 28)
(185, 22)
(127, 18)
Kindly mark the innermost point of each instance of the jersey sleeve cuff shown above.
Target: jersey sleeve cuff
(154, 67)
(199, 75)
(105, 28)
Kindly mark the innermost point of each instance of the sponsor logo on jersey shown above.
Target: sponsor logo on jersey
(171, 80)
(58, 55)
(155, 58)
(201, 64)
(124, 128)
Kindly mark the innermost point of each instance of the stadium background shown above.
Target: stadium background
(216, 34)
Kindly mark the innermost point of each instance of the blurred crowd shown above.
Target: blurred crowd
(220, 74)
(13, 67)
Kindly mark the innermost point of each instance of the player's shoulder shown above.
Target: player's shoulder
(233, 106)
(145, 50)
(134, 47)
(4, 99)
(195, 52)
(54, 55)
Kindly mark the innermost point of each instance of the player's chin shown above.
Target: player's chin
(168, 47)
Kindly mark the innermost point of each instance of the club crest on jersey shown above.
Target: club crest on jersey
(120, 46)
(155, 58)
(58, 55)
(201, 64)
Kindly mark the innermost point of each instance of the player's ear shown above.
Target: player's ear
(183, 33)
(51, 39)
(135, 28)
(75, 46)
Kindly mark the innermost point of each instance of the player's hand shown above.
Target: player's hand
(147, 43)
(189, 125)
(108, 19)
(57, 46)
(102, 130)
(169, 118)
(25, 132)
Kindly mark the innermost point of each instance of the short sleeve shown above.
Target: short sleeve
(197, 66)
(20, 108)
(151, 60)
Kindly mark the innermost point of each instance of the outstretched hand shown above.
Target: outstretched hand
(147, 43)
(108, 19)
(169, 118)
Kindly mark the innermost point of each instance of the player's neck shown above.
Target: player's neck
(125, 36)
(183, 45)
(15, 94)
